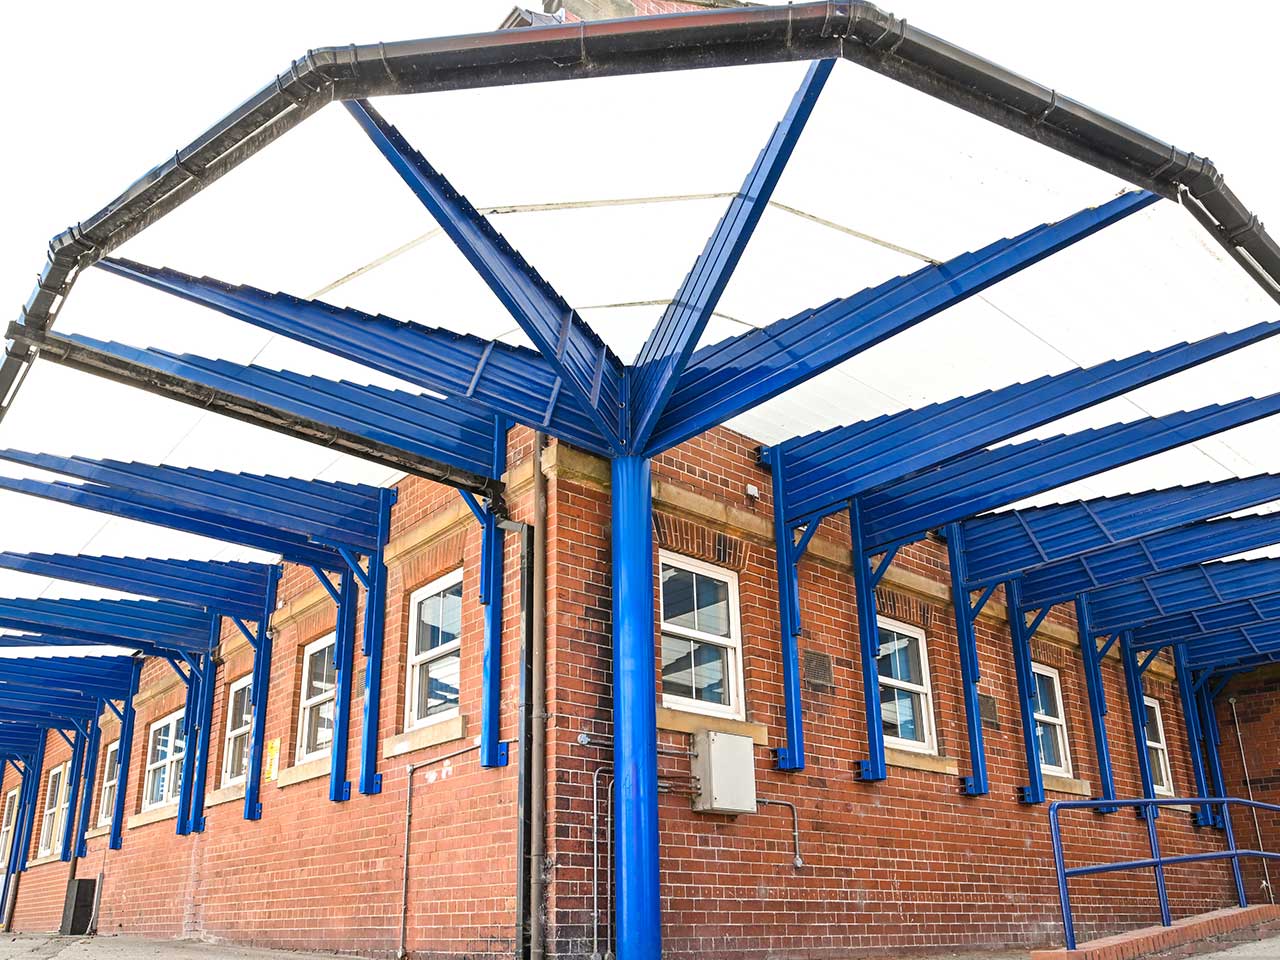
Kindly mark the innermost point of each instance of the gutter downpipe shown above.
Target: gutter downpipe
(538, 738)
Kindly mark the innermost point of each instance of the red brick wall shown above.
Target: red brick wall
(901, 865)
(1257, 705)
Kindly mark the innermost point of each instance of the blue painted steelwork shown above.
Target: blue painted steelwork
(124, 753)
(665, 353)
(1095, 690)
(431, 429)
(1137, 711)
(157, 624)
(1191, 719)
(375, 612)
(259, 690)
(1156, 862)
(587, 367)
(635, 731)
(866, 574)
(1021, 633)
(977, 784)
(731, 377)
(510, 381)
(1254, 611)
(79, 738)
(87, 793)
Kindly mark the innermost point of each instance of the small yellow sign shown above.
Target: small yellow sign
(271, 762)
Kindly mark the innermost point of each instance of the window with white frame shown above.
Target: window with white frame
(1157, 750)
(906, 704)
(110, 777)
(1051, 721)
(701, 638)
(55, 810)
(7, 824)
(166, 746)
(315, 710)
(435, 650)
(235, 759)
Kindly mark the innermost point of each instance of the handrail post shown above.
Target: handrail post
(1241, 896)
(1064, 896)
(1153, 838)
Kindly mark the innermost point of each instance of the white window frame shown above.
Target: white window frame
(930, 744)
(411, 720)
(736, 709)
(53, 818)
(1064, 742)
(234, 733)
(1161, 746)
(8, 825)
(174, 784)
(110, 779)
(305, 705)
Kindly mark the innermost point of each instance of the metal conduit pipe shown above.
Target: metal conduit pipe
(402, 952)
(595, 860)
(538, 735)
(1248, 786)
(795, 825)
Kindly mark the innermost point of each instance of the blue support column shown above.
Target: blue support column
(123, 754)
(343, 662)
(74, 780)
(864, 586)
(1138, 714)
(1020, 633)
(375, 613)
(638, 926)
(1212, 744)
(977, 783)
(1096, 692)
(1191, 720)
(259, 690)
(190, 719)
(35, 773)
(493, 753)
(90, 782)
(790, 756)
(204, 730)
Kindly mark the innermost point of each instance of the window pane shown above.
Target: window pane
(319, 728)
(1046, 695)
(439, 619)
(157, 782)
(179, 737)
(159, 744)
(1155, 758)
(677, 666)
(713, 605)
(108, 805)
(437, 685)
(1153, 725)
(901, 712)
(710, 667)
(1050, 745)
(678, 598)
(320, 673)
(241, 710)
(237, 756)
(899, 657)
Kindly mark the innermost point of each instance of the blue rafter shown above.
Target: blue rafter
(666, 352)
(588, 368)
(731, 377)
(512, 381)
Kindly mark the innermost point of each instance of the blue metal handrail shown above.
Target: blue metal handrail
(1146, 809)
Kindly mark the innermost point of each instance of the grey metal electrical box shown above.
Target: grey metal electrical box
(725, 767)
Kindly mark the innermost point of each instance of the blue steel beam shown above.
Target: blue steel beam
(117, 622)
(1185, 626)
(730, 377)
(1005, 544)
(512, 381)
(335, 515)
(1153, 599)
(987, 479)
(233, 589)
(826, 468)
(665, 353)
(1185, 546)
(588, 368)
(440, 439)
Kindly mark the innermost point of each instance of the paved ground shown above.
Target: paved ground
(25, 947)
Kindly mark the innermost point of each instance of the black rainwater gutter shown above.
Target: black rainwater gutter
(858, 32)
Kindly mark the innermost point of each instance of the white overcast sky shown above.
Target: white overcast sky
(99, 93)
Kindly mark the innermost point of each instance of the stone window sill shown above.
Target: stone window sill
(167, 812)
(686, 721)
(927, 762)
(301, 772)
(97, 832)
(428, 735)
(1060, 784)
(224, 795)
(47, 858)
